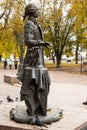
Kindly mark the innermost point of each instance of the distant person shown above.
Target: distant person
(5, 64)
(10, 64)
(16, 64)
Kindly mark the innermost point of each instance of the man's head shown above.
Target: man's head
(32, 10)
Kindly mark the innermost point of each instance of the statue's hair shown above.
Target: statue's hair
(29, 9)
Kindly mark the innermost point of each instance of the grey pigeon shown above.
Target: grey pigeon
(1, 101)
(39, 123)
(16, 99)
(9, 99)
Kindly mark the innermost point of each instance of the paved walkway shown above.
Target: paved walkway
(67, 91)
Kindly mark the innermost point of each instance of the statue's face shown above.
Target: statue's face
(36, 13)
(32, 10)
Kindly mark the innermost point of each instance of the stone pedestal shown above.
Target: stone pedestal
(11, 79)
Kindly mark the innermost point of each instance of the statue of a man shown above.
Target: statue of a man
(36, 81)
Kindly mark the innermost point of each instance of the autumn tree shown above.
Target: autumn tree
(80, 28)
(7, 43)
(60, 26)
(16, 24)
(12, 11)
(63, 21)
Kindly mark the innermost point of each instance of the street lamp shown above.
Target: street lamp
(81, 65)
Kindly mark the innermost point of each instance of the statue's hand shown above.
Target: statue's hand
(42, 43)
(47, 44)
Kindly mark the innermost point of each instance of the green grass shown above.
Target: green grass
(53, 65)
(50, 65)
(1, 64)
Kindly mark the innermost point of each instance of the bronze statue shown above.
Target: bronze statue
(34, 76)
(35, 80)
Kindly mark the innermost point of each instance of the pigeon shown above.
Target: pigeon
(16, 99)
(84, 103)
(9, 99)
(1, 101)
(39, 123)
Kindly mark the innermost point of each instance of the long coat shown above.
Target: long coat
(32, 34)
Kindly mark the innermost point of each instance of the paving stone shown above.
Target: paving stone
(5, 128)
(67, 91)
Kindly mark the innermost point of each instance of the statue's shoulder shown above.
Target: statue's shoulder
(29, 23)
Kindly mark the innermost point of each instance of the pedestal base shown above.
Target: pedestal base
(19, 114)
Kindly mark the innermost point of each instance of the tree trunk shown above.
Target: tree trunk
(58, 60)
(0, 57)
(86, 52)
(53, 57)
(76, 54)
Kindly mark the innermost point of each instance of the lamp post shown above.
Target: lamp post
(81, 65)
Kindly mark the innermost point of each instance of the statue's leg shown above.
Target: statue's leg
(43, 103)
(31, 102)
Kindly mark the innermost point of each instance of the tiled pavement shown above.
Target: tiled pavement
(67, 91)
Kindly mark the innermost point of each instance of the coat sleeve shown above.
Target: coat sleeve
(29, 34)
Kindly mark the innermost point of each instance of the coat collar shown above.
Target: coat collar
(31, 18)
